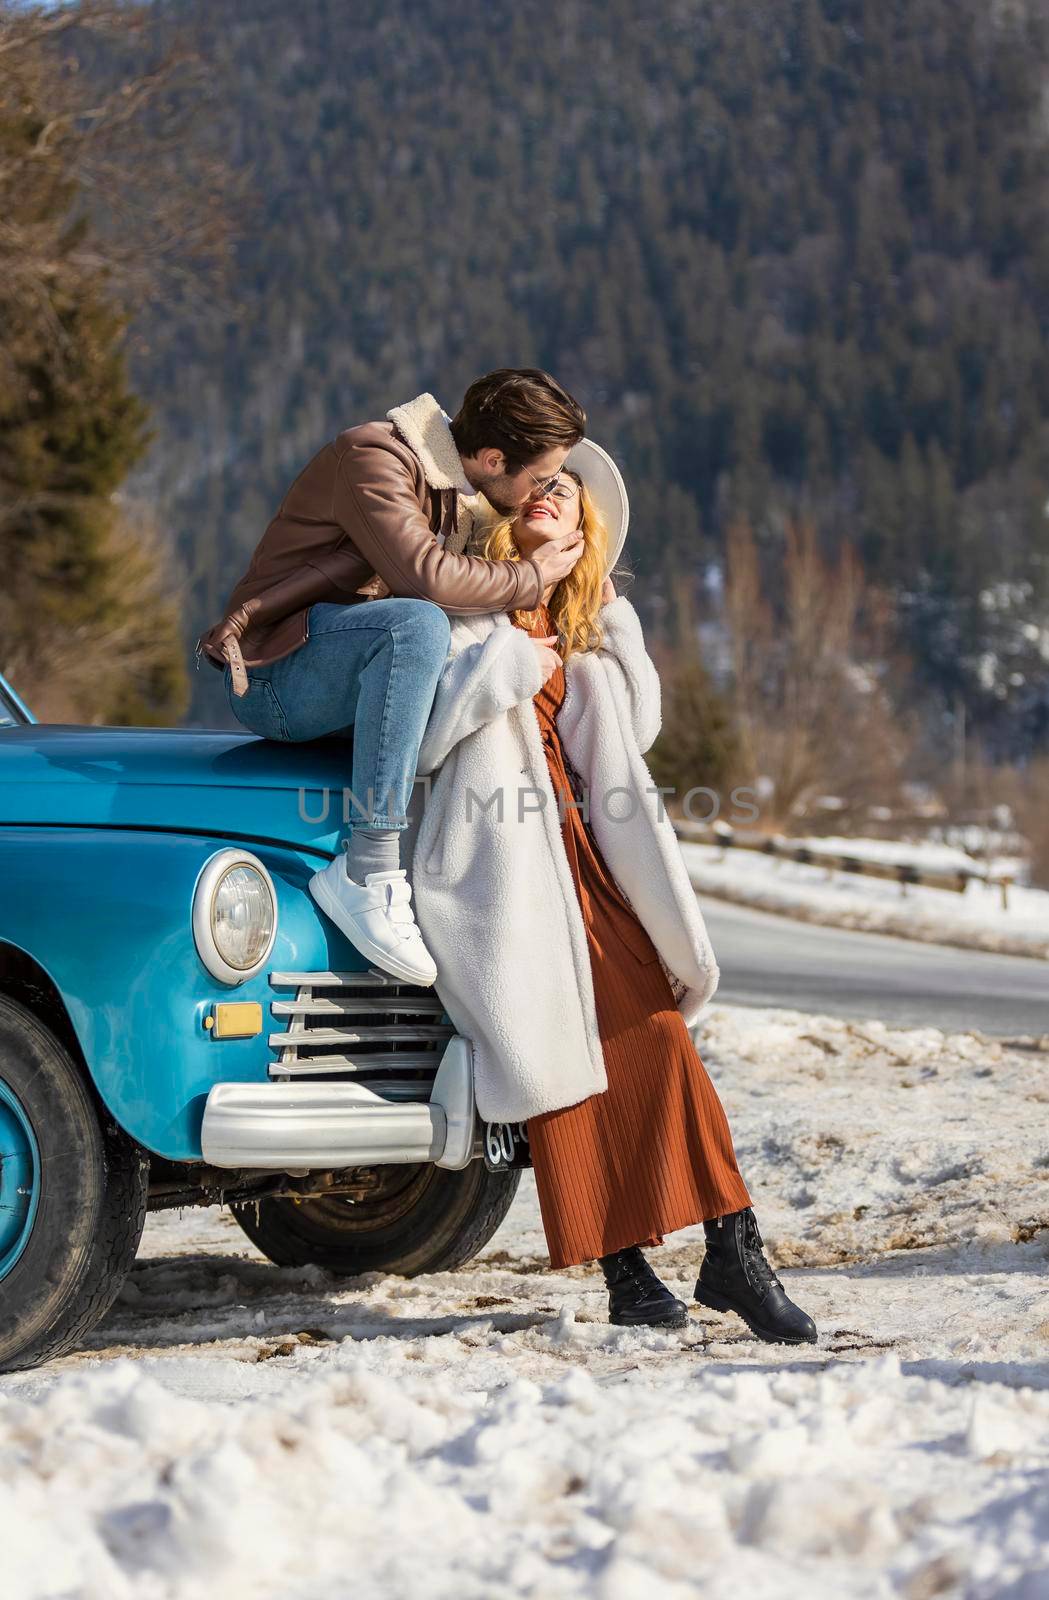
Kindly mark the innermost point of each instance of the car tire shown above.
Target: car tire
(72, 1197)
(414, 1219)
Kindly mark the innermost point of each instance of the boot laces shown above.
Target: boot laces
(643, 1272)
(759, 1268)
(632, 1264)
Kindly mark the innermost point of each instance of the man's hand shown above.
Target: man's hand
(608, 591)
(228, 630)
(222, 643)
(556, 559)
(548, 658)
(224, 631)
(375, 589)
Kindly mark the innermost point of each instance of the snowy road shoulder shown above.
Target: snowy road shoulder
(975, 920)
(485, 1431)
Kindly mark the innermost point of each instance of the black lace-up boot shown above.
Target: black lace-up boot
(636, 1297)
(736, 1276)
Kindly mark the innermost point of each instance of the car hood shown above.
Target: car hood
(174, 778)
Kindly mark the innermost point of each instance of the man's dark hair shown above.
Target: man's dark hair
(520, 411)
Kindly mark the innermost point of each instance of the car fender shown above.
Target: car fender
(107, 914)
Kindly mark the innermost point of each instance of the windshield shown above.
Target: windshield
(13, 713)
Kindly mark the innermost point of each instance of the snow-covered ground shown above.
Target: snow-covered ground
(975, 919)
(249, 1431)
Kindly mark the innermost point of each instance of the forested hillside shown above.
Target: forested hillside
(793, 257)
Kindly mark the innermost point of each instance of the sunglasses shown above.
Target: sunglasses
(544, 485)
(564, 489)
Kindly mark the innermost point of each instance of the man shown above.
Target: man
(340, 618)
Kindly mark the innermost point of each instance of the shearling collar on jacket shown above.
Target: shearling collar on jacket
(423, 425)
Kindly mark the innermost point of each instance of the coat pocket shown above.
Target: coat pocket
(433, 861)
(432, 829)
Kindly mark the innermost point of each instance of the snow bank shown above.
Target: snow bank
(974, 920)
(265, 1432)
(863, 1139)
(377, 1479)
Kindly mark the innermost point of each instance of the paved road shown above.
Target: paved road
(768, 960)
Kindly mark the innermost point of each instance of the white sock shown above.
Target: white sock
(372, 850)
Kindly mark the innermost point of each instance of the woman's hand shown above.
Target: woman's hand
(608, 591)
(549, 660)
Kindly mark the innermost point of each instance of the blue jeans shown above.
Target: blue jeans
(372, 667)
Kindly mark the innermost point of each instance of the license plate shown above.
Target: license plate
(505, 1145)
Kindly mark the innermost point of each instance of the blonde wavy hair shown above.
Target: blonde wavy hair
(575, 602)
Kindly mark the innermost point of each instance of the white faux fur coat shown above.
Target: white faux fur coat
(495, 900)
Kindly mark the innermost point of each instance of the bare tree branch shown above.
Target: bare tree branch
(811, 716)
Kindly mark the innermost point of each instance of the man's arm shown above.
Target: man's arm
(298, 589)
(375, 502)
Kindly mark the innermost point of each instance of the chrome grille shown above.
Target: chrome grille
(368, 1026)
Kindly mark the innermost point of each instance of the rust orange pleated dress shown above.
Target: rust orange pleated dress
(653, 1153)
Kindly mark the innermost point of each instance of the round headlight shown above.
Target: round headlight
(242, 917)
(234, 916)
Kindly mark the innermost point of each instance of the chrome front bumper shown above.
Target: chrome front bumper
(288, 1126)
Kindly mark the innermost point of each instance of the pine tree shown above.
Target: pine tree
(795, 261)
(86, 630)
(696, 747)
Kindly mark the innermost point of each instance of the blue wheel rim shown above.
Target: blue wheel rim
(19, 1178)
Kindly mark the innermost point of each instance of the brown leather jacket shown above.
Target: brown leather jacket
(361, 521)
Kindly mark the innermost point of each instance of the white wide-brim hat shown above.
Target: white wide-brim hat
(607, 489)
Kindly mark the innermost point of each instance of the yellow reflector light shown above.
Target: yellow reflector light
(237, 1019)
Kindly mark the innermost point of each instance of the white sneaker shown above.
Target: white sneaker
(376, 917)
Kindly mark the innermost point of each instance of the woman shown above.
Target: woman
(569, 945)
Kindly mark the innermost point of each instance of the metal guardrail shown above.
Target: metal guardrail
(956, 880)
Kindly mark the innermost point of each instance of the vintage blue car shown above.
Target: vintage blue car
(180, 1025)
